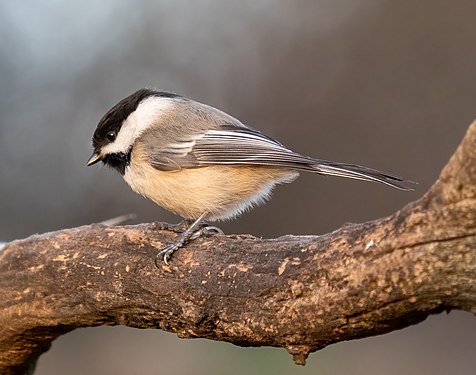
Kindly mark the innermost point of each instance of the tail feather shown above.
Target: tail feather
(358, 172)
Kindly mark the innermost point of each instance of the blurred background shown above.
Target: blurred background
(382, 83)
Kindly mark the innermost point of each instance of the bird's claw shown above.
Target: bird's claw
(211, 230)
(166, 253)
(207, 230)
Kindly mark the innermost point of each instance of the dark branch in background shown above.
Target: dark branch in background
(297, 292)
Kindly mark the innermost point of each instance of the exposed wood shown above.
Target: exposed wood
(297, 292)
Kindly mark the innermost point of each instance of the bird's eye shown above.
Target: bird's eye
(111, 136)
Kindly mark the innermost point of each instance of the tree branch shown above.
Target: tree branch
(297, 292)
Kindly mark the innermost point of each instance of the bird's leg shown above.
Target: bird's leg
(194, 231)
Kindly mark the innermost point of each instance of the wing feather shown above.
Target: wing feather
(245, 146)
(233, 145)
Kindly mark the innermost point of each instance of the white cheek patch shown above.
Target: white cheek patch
(146, 114)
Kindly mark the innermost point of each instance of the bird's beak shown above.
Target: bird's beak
(95, 157)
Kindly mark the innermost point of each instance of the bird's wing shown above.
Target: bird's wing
(232, 145)
(229, 145)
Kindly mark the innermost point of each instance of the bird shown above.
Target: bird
(201, 163)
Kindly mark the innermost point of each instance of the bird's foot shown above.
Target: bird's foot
(167, 252)
(206, 230)
(191, 234)
(176, 228)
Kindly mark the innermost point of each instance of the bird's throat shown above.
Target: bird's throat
(119, 160)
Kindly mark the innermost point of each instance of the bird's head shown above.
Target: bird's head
(123, 124)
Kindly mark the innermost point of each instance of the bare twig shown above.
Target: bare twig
(118, 220)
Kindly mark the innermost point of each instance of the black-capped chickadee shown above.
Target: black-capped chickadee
(201, 163)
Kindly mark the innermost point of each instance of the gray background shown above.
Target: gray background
(388, 84)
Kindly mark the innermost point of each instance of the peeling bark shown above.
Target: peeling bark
(297, 292)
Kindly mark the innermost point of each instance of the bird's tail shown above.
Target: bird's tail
(358, 172)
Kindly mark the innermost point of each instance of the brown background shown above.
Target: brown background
(382, 83)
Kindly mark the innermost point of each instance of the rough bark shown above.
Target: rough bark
(297, 292)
